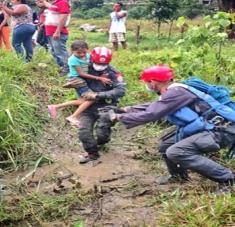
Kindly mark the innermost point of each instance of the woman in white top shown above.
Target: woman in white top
(117, 27)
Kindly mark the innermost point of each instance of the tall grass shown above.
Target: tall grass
(20, 122)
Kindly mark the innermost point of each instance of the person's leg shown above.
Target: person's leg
(27, 41)
(189, 154)
(86, 136)
(81, 91)
(73, 119)
(39, 38)
(6, 37)
(51, 48)
(52, 109)
(176, 172)
(113, 40)
(63, 51)
(103, 131)
(42, 38)
(59, 51)
(17, 39)
(124, 45)
(115, 45)
(83, 106)
(122, 40)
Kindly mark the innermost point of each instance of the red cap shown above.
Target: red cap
(158, 73)
(101, 55)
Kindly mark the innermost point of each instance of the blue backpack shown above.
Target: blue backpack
(219, 93)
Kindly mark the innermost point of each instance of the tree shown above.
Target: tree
(163, 10)
(191, 8)
(75, 4)
(87, 4)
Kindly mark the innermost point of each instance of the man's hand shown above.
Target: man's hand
(125, 109)
(56, 35)
(109, 117)
(113, 116)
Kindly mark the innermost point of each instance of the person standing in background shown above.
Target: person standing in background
(42, 38)
(4, 31)
(117, 27)
(56, 27)
(22, 25)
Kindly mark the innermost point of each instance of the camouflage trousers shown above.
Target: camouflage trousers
(93, 132)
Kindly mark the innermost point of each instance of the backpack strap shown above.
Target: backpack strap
(221, 109)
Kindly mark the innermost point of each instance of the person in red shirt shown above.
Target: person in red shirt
(56, 23)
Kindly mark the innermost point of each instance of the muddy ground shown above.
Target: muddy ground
(124, 184)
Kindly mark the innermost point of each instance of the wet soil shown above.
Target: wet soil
(125, 186)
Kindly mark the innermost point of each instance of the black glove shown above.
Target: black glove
(106, 109)
(109, 117)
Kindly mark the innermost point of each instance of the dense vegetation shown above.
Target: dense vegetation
(26, 89)
(87, 9)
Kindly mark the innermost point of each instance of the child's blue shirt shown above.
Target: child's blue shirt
(74, 62)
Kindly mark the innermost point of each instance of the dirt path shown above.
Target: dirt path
(122, 183)
(125, 185)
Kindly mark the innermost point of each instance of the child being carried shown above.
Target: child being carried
(78, 64)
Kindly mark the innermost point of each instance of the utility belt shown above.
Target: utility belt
(226, 127)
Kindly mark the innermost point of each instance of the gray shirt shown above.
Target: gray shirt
(171, 101)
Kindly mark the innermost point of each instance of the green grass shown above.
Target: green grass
(193, 210)
(21, 116)
(25, 90)
(38, 209)
(16, 110)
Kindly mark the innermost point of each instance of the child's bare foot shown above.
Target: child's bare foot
(73, 121)
(52, 111)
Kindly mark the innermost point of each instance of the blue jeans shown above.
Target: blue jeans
(23, 35)
(58, 49)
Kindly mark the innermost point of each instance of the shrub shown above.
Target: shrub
(92, 13)
(138, 12)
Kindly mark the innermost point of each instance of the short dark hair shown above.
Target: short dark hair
(79, 44)
(120, 3)
(23, 2)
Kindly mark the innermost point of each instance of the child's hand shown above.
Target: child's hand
(105, 80)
